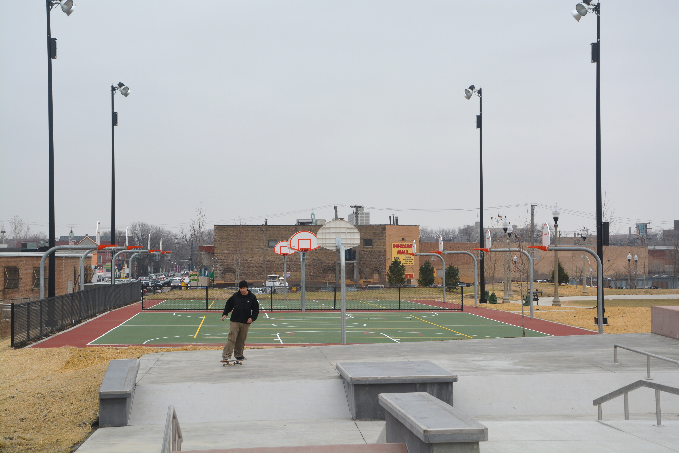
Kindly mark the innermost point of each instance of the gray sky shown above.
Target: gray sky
(272, 109)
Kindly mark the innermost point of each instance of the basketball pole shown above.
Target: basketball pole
(302, 257)
(343, 280)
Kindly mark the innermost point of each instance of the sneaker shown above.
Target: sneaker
(240, 358)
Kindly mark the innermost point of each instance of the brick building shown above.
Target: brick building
(20, 272)
(247, 252)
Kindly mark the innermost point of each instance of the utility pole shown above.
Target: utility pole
(356, 274)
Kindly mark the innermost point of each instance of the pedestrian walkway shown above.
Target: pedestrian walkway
(534, 394)
(547, 301)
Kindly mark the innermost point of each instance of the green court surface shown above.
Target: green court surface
(295, 304)
(163, 328)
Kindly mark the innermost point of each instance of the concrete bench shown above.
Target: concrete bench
(364, 381)
(116, 392)
(427, 425)
(665, 321)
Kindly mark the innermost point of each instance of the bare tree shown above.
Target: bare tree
(20, 231)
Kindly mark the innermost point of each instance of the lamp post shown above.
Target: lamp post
(468, 93)
(510, 280)
(581, 9)
(125, 91)
(555, 215)
(636, 279)
(583, 235)
(509, 240)
(67, 7)
(629, 270)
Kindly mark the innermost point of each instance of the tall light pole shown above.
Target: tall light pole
(125, 91)
(583, 235)
(67, 7)
(468, 93)
(581, 9)
(629, 270)
(636, 279)
(555, 215)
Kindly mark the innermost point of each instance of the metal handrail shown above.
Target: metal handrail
(633, 386)
(648, 357)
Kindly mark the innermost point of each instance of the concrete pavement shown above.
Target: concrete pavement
(534, 394)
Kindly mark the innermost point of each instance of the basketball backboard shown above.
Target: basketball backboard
(328, 234)
(303, 241)
(283, 249)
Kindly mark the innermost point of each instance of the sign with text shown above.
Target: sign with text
(400, 250)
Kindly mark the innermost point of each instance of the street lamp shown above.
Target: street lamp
(636, 280)
(67, 7)
(629, 270)
(581, 9)
(510, 280)
(468, 93)
(555, 215)
(125, 91)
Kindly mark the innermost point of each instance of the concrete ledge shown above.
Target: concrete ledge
(427, 424)
(351, 448)
(364, 381)
(665, 321)
(116, 392)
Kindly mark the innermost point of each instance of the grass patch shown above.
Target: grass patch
(647, 303)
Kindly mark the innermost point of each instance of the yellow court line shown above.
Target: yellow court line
(440, 326)
(213, 302)
(201, 324)
(374, 305)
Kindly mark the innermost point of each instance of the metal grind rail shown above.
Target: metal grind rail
(648, 357)
(624, 391)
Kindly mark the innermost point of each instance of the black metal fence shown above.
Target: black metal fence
(38, 319)
(316, 298)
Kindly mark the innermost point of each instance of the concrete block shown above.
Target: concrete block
(428, 425)
(364, 381)
(665, 321)
(116, 392)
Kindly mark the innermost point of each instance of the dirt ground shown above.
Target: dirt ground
(49, 397)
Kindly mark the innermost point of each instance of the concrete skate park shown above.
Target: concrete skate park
(531, 395)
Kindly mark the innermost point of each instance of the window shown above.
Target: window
(367, 242)
(36, 277)
(272, 242)
(11, 277)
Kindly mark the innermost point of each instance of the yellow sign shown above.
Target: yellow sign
(400, 250)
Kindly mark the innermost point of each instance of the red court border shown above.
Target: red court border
(79, 336)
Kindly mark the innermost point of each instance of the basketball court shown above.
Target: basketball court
(297, 328)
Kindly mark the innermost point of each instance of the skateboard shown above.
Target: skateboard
(231, 362)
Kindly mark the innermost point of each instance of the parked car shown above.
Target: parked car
(176, 282)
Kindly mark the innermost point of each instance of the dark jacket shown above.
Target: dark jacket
(244, 307)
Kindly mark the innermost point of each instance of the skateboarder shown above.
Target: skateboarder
(245, 308)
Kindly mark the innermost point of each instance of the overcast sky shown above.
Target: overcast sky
(259, 110)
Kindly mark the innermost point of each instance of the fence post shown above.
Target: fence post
(41, 320)
(28, 321)
(271, 298)
(12, 325)
(399, 297)
(206, 297)
(462, 297)
(334, 297)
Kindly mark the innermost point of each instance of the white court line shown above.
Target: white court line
(393, 339)
(278, 335)
(111, 330)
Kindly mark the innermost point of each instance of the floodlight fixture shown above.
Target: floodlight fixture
(581, 9)
(505, 225)
(510, 230)
(68, 6)
(629, 257)
(467, 94)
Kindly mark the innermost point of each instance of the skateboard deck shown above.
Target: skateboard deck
(231, 362)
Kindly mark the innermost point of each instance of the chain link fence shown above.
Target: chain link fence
(31, 321)
(316, 298)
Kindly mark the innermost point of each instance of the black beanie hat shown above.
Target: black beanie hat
(242, 284)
